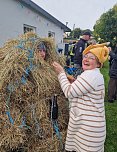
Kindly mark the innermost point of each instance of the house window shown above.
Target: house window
(28, 28)
(51, 34)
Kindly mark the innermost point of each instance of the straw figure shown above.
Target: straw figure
(28, 90)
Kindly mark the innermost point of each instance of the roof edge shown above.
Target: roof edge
(40, 10)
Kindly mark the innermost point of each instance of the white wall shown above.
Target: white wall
(13, 15)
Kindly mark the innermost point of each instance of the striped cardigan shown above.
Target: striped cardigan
(87, 128)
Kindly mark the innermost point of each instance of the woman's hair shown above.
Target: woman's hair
(41, 46)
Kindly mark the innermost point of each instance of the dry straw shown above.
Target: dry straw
(27, 84)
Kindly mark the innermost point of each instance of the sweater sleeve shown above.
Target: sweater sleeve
(82, 85)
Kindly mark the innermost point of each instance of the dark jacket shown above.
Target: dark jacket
(79, 48)
(113, 68)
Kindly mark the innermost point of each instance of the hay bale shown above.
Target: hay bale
(27, 84)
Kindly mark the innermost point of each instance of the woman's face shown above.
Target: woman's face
(90, 62)
(41, 53)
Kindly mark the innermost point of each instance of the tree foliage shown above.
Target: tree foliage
(105, 28)
(77, 32)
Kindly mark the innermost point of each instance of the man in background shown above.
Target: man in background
(79, 48)
(112, 85)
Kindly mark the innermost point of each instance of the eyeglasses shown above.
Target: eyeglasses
(91, 58)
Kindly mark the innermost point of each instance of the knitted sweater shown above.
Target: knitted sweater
(87, 128)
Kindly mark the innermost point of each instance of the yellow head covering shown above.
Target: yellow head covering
(99, 50)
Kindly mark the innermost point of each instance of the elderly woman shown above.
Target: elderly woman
(87, 126)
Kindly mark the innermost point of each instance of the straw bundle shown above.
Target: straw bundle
(27, 84)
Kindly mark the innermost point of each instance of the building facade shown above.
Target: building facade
(20, 16)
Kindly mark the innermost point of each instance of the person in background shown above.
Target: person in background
(93, 42)
(87, 126)
(60, 50)
(112, 85)
(71, 52)
(79, 48)
(110, 57)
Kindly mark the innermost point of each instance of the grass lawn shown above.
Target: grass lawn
(111, 117)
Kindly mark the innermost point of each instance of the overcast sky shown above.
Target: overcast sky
(78, 13)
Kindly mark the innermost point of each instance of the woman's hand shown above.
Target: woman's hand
(58, 68)
(71, 78)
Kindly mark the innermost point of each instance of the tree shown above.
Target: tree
(76, 33)
(105, 28)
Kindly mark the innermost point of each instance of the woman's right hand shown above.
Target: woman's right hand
(58, 68)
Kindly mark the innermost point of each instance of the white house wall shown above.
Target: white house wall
(13, 15)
